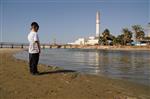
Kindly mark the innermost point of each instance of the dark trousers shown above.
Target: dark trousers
(33, 62)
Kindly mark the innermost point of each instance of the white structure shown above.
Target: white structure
(79, 41)
(97, 24)
(92, 40)
(147, 30)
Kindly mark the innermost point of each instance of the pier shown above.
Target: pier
(25, 45)
(68, 46)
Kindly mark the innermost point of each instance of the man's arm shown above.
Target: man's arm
(39, 47)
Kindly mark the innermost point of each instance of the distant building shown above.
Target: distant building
(147, 29)
(79, 41)
(92, 40)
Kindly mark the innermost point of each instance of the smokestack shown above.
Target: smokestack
(97, 24)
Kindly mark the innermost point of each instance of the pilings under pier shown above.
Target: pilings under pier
(43, 46)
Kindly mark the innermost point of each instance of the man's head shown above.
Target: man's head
(34, 26)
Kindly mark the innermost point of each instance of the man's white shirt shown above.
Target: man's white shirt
(33, 47)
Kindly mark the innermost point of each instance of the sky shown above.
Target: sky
(67, 20)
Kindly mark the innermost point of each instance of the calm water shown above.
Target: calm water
(131, 65)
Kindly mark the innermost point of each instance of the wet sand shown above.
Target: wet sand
(54, 83)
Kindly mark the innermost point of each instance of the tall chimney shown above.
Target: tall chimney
(97, 24)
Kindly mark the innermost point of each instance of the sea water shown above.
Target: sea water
(131, 65)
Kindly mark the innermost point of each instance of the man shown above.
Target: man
(34, 48)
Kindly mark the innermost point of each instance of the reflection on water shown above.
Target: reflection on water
(131, 65)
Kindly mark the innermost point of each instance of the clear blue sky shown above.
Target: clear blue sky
(67, 20)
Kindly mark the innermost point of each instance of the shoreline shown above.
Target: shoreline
(97, 47)
(56, 83)
(122, 48)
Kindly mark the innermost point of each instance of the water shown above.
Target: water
(131, 65)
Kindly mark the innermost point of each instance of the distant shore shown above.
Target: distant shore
(67, 46)
(114, 47)
(53, 83)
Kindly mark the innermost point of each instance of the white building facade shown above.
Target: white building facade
(92, 41)
(79, 41)
(147, 30)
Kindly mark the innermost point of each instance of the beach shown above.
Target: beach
(54, 83)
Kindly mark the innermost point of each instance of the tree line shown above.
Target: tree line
(126, 38)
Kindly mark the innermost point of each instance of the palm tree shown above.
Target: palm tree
(106, 35)
(127, 35)
(139, 33)
(101, 40)
(119, 40)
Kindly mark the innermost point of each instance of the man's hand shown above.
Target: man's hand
(38, 43)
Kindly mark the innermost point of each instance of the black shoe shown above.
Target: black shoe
(36, 73)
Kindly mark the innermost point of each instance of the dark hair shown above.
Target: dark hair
(35, 26)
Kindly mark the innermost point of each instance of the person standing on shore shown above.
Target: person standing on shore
(34, 48)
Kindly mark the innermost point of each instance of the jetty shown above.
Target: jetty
(25, 45)
(69, 46)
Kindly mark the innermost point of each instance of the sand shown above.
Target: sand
(53, 83)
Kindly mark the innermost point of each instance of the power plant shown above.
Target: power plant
(92, 40)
